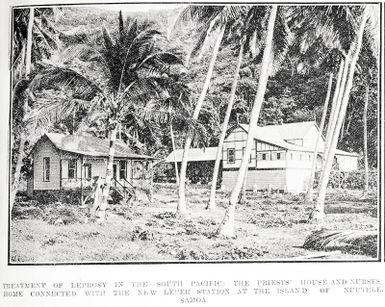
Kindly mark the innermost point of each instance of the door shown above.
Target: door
(114, 171)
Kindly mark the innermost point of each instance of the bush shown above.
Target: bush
(354, 180)
(50, 196)
(24, 212)
(63, 214)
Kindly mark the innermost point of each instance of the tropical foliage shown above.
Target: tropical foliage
(93, 73)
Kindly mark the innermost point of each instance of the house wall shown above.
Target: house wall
(237, 140)
(347, 163)
(58, 177)
(299, 159)
(263, 179)
(98, 166)
(297, 179)
(45, 148)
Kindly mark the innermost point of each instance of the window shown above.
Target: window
(264, 156)
(123, 169)
(278, 156)
(231, 155)
(243, 153)
(72, 169)
(46, 169)
(309, 157)
(87, 171)
(291, 156)
(300, 156)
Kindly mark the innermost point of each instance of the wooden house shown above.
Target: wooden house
(281, 157)
(72, 161)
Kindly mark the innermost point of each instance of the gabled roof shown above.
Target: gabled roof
(91, 146)
(277, 134)
(293, 130)
(194, 154)
(270, 135)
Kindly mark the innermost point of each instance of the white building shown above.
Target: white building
(281, 157)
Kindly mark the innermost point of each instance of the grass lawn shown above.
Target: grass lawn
(267, 228)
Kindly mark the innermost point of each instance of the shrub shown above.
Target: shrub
(349, 180)
(50, 196)
(24, 212)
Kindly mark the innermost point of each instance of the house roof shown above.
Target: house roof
(277, 134)
(293, 130)
(270, 135)
(194, 154)
(91, 146)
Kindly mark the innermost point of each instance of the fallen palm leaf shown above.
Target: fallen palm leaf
(352, 241)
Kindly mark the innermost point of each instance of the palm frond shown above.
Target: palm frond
(60, 78)
(160, 62)
(108, 42)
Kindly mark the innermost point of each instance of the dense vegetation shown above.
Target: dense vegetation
(139, 76)
(292, 94)
(178, 78)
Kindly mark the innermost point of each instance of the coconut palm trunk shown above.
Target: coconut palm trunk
(173, 150)
(28, 63)
(319, 136)
(225, 124)
(28, 56)
(226, 228)
(365, 122)
(351, 60)
(336, 106)
(181, 209)
(109, 173)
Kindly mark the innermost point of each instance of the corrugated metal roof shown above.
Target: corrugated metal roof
(194, 154)
(91, 146)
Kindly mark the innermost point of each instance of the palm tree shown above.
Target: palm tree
(247, 33)
(225, 123)
(211, 18)
(365, 122)
(319, 136)
(34, 39)
(173, 110)
(226, 228)
(341, 106)
(127, 73)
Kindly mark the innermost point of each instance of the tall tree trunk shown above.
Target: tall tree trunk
(181, 209)
(336, 106)
(350, 119)
(365, 122)
(342, 132)
(173, 150)
(107, 182)
(319, 136)
(226, 228)
(20, 157)
(242, 195)
(19, 163)
(351, 60)
(28, 58)
(224, 129)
